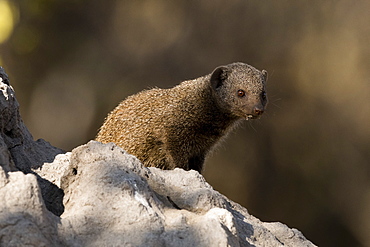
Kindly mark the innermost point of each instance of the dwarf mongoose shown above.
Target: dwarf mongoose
(177, 127)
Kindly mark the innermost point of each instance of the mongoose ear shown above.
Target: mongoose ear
(265, 75)
(219, 75)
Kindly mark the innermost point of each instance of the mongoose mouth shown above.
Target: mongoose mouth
(250, 116)
(257, 112)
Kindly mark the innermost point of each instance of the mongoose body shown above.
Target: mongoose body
(177, 127)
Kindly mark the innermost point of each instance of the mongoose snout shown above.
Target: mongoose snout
(179, 126)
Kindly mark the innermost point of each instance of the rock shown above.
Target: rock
(24, 219)
(16, 141)
(111, 199)
(18, 150)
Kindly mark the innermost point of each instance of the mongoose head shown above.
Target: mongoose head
(240, 89)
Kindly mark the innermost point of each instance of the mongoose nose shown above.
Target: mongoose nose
(258, 111)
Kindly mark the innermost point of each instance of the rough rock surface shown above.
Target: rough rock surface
(24, 219)
(110, 199)
(18, 150)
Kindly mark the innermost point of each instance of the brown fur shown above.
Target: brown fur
(177, 127)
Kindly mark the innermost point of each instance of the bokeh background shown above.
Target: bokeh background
(305, 163)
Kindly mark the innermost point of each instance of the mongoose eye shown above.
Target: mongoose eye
(241, 93)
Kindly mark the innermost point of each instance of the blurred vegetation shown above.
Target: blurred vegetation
(305, 163)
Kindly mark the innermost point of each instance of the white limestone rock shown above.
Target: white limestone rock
(111, 199)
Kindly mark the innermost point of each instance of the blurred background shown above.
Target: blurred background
(305, 163)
